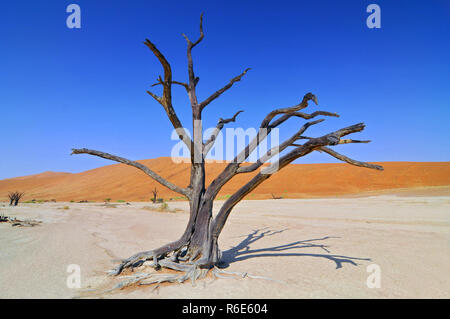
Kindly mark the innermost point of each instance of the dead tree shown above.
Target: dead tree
(14, 198)
(155, 194)
(197, 249)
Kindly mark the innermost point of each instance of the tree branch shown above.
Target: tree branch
(157, 98)
(161, 82)
(210, 142)
(192, 79)
(140, 166)
(166, 99)
(347, 141)
(349, 160)
(288, 111)
(302, 150)
(167, 93)
(314, 114)
(266, 126)
(216, 94)
(202, 35)
(277, 149)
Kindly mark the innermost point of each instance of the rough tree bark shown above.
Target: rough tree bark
(197, 249)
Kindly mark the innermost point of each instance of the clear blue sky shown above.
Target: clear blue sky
(62, 88)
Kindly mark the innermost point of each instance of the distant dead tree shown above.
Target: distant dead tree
(11, 197)
(197, 250)
(155, 194)
(18, 197)
(14, 198)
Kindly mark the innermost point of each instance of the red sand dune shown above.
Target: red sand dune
(121, 182)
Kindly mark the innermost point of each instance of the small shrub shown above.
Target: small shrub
(107, 200)
(121, 201)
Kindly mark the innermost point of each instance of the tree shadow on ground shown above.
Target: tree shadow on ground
(243, 251)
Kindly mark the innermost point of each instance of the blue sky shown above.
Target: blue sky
(62, 88)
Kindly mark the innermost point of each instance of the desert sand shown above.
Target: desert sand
(121, 182)
(309, 248)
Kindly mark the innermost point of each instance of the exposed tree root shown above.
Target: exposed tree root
(177, 271)
(184, 272)
(183, 261)
(166, 256)
(179, 266)
(131, 261)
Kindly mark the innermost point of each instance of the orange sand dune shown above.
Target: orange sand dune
(121, 182)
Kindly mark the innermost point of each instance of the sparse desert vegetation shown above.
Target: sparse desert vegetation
(39, 201)
(163, 207)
